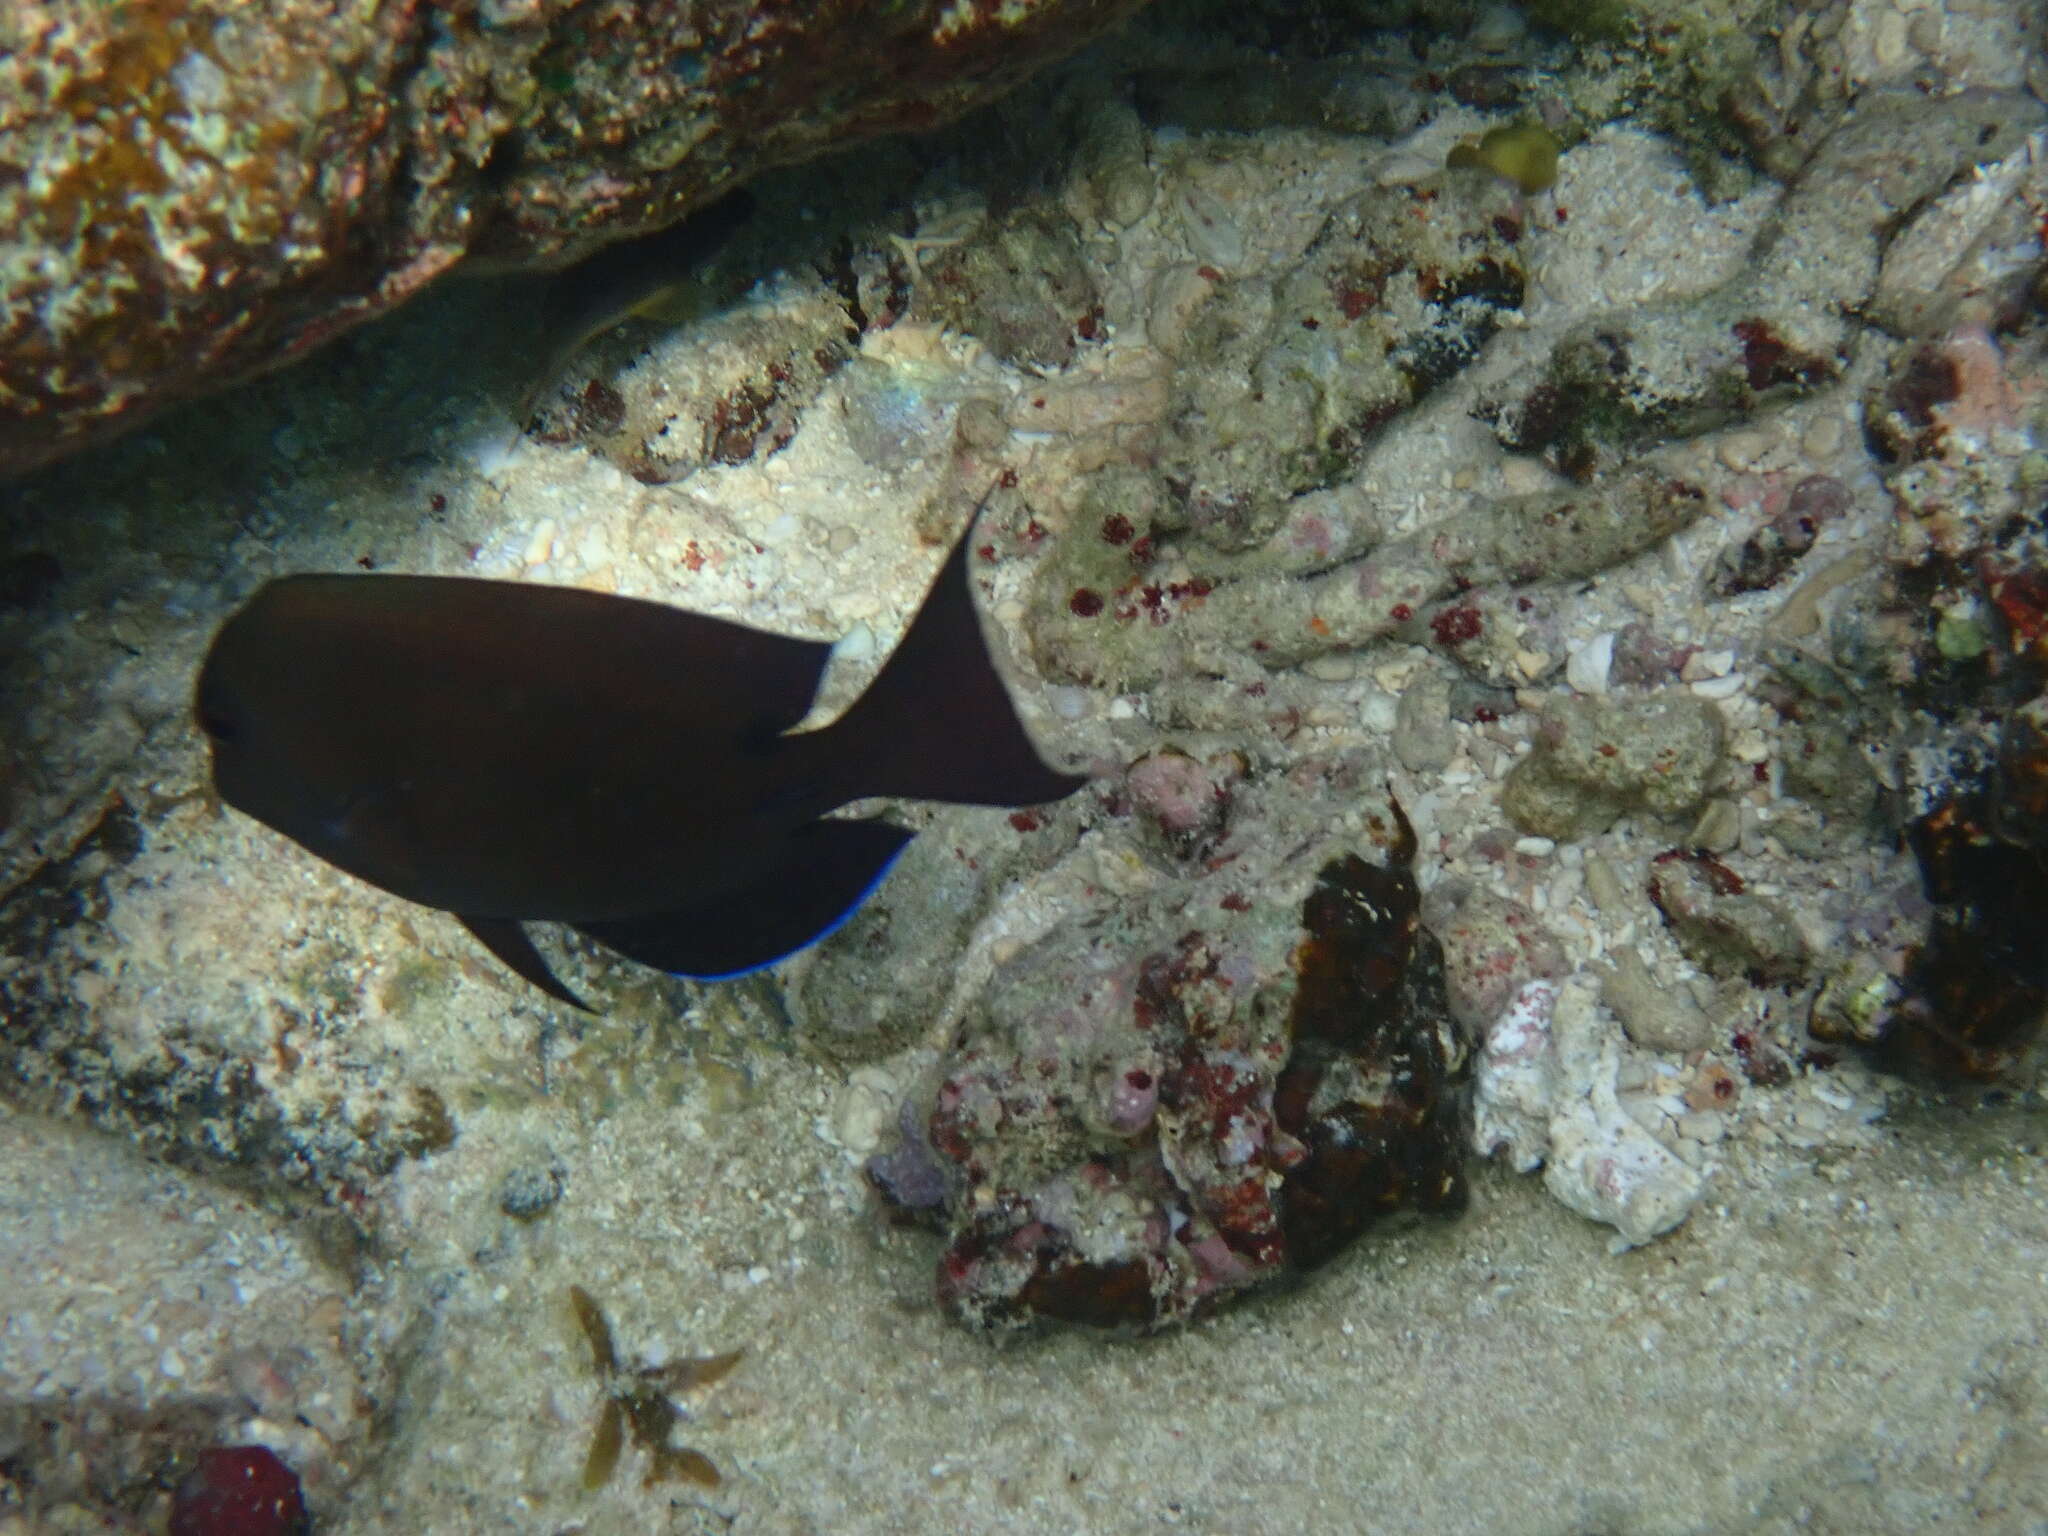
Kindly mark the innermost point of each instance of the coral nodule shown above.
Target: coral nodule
(1126, 1142)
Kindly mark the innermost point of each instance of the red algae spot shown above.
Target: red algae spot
(1235, 902)
(2021, 597)
(1085, 603)
(1117, 529)
(1400, 613)
(239, 1490)
(1455, 626)
(1007, 479)
(1312, 533)
(1768, 359)
(1025, 821)
(1761, 1061)
(1724, 880)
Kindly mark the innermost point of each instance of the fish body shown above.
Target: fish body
(511, 752)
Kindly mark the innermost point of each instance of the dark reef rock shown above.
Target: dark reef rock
(1155, 1111)
(1020, 286)
(1976, 992)
(218, 186)
(1971, 1000)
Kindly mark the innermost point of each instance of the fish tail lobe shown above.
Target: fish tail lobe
(938, 722)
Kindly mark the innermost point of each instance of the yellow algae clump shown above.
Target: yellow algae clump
(1525, 154)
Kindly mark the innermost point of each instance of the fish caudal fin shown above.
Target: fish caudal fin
(816, 881)
(938, 723)
(506, 939)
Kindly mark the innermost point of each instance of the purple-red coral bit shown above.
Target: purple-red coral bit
(239, 1490)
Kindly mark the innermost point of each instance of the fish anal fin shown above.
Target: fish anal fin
(817, 880)
(506, 938)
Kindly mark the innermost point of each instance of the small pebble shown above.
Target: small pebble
(1332, 667)
(530, 1191)
(1605, 887)
(1719, 828)
(1587, 667)
(1521, 476)
(1068, 703)
(1703, 1126)
(1212, 233)
(1706, 664)
(1823, 438)
(1742, 450)
(857, 644)
(1888, 42)
(541, 547)
(1176, 294)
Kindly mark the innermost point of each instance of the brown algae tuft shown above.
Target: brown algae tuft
(639, 1400)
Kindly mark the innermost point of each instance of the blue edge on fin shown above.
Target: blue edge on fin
(806, 888)
(822, 934)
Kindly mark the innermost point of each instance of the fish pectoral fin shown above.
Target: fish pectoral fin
(812, 884)
(506, 938)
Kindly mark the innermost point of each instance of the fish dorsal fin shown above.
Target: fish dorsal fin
(505, 938)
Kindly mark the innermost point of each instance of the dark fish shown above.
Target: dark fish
(646, 277)
(511, 752)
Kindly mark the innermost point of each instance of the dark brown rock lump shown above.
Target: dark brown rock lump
(195, 190)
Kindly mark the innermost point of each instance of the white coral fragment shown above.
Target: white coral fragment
(1546, 1096)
